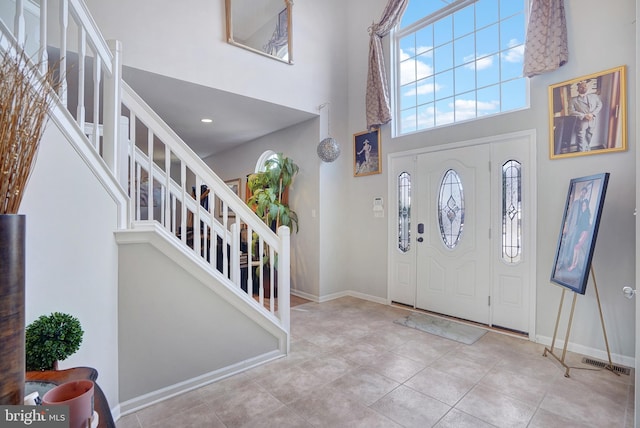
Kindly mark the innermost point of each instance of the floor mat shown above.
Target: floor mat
(448, 329)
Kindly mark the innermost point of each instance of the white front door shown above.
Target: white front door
(470, 266)
(453, 201)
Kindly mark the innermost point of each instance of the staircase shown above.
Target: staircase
(175, 213)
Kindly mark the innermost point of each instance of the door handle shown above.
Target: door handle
(629, 292)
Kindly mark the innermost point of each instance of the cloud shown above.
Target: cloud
(462, 109)
(410, 67)
(516, 54)
(481, 64)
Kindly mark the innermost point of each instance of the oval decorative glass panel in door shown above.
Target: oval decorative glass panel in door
(451, 209)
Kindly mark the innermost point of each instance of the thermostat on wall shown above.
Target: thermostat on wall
(378, 207)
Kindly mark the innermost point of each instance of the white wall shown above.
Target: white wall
(71, 255)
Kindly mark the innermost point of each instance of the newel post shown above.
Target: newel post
(284, 280)
(114, 151)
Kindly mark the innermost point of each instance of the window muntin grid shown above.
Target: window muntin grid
(458, 60)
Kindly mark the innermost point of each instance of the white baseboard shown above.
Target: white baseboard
(304, 295)
(146, 400)
(599, 354)
(333, 296)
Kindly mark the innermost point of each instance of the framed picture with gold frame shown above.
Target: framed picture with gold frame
(367, 153)
(588, 115)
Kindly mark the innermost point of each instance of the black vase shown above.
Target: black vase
(12, 303)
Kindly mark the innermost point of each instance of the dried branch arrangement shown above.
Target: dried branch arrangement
(26, 95)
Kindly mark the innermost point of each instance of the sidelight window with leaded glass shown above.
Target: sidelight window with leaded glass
(512, 211)
(404, 212)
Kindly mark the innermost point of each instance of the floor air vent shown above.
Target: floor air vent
(602, 364)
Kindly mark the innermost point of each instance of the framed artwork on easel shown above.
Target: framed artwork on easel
(579, 230)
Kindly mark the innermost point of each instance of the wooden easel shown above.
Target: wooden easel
(566, 340)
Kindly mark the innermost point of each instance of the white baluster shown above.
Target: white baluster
(97, 77)
(82, 53)
(44, 55)
(64, 23)
(149, 166)
(18, 24)
(167, 186)
(284, 280)
(134, 207)
(112, 153)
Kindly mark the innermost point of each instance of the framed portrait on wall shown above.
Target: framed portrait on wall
(367, 153)
(588, 115)
(578, 232)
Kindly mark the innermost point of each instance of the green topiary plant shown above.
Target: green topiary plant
(51, 338)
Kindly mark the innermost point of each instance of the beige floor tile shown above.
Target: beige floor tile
(545, 419)
(439, 385)
(497, 409)
(237, 407)
(329, 407)
(128, 421)
(180, 404)
(529, 389)
(457, 419)
(328, 367)
(458, 366)
(200, 416)
(426, 350)
(364, 385)
(411, 408)
(395, 366)
(289, 385)
(571, 399)
(282, 417)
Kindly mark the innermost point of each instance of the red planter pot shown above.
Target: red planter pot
(78, 395)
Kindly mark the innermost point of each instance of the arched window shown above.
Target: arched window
(262, 160)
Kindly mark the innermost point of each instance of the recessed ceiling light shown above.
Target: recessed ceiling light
(205, 120)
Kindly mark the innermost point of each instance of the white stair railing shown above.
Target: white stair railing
(167, 181)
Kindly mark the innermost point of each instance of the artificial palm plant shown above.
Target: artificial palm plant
(269, 192)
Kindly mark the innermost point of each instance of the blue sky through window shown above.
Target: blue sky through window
(460, 66)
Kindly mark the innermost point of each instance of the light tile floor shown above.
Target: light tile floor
(351, 366)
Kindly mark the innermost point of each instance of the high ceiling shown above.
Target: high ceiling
(236, 119)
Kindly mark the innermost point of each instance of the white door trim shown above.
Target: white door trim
(528, 137)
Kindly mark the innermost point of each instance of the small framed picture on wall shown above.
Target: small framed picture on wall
(367, 153)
